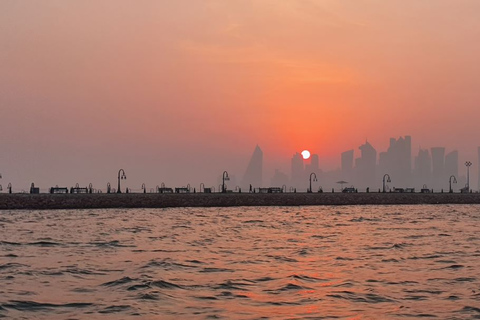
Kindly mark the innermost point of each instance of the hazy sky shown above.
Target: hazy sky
(178, 91)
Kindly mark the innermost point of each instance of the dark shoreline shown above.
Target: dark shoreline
(155, 200)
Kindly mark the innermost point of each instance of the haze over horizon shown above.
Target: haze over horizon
(178, 91)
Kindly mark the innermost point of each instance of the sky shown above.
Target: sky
(179, 91)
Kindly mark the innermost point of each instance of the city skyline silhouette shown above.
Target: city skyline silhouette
(363, 168)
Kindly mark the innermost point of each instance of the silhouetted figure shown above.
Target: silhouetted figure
(250, 188)
(368, 190)
(295, 190)
(194, 190)
(127, 191)
(333, 190)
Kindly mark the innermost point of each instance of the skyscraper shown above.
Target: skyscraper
(438, 167)
(279, 179)
(397, 161)
(451, 165)
(423, 168)
(347, 165)
(254, 172)
(298, 171)
(365, 166)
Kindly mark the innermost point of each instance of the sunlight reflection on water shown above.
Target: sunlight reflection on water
(369, 262)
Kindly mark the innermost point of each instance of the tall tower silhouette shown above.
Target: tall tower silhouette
(253, 175)
(365, 166)
(438, 166)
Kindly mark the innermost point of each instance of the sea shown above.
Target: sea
(317, 262)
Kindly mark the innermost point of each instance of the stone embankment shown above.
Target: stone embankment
(155, 200)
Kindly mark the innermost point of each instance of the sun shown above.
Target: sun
(305, 154)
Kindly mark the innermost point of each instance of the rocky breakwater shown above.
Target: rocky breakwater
(151, 200)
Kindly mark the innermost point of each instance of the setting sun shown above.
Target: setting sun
(305, 154)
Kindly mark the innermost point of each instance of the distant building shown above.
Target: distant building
(365, 166)
(451, 165)
(279, 179)
(254, 172)
(397, 161)
(347, 165)
(313, 166)
(438, 167)
(423, 168)
(297, 172)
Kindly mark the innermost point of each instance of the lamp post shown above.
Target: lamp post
(314, 179)
(121, 176)
(388, 180)
(224, 178)
(144, 188)
(468, 164)
(454, 180)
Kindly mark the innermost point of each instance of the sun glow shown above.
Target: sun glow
(305, 154)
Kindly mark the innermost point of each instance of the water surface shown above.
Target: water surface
(362, 262)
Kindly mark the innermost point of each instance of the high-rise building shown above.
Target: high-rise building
(423, 168)
(365, 166)
(313, 166)
(451, 165)
(397, 161)
(298, 171)
(438, 167)
(279, 179)
(253, 175)
(347, 165)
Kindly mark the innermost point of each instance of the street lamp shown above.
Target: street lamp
(314, 179)
(468, 164)
(454, 180)
(121, 176)
(224, 178)
(388, 180)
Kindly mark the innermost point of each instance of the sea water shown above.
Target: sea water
(344, 262)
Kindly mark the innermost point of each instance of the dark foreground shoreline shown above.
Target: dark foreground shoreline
(155, 200)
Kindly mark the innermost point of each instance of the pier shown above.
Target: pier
(24, 201)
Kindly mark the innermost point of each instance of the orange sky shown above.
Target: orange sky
(177, 91)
